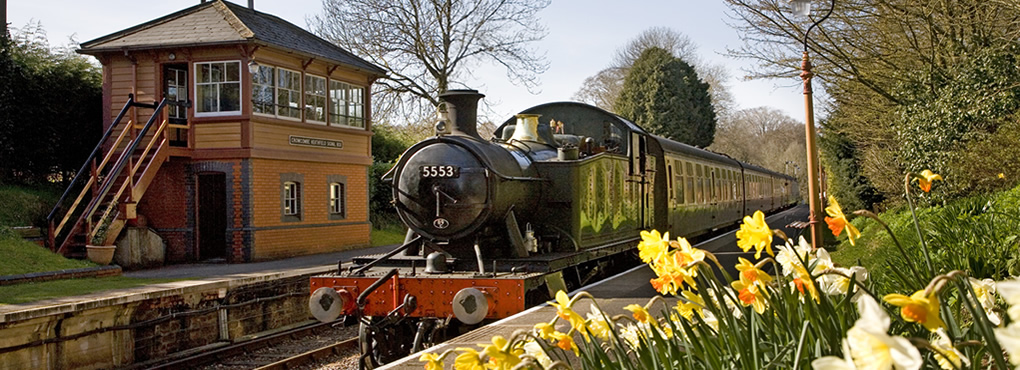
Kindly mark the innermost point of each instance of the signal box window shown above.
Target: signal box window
(315, 99)
(337, 206)
(218, 88)
(291, 197)
(346, 105)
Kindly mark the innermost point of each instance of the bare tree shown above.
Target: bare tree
(427, 46)
(604, 87)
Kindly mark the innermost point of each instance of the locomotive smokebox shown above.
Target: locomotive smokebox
(462, 111)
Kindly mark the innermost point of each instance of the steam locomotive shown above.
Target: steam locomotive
(498, 225)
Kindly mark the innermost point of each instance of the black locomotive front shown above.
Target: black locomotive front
(456, 189)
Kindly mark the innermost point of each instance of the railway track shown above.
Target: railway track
(284, 350)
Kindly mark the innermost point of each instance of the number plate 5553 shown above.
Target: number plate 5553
(440, 171)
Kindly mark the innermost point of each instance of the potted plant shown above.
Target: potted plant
(96, 249)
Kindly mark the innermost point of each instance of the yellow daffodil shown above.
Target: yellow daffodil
(501, 357)
(918, 308)
(597, 324)
(925, 179)
(752, 273)
(565, 342)
(544, 330)
(871, 347)
(690, 304)
(750, 294)
(670, 278)
(431, 361)
(985, 294)
(564, 311)
(468, 359)
(949, 357)
(837, 221)
(652, 245)
(640, 313)
(803, 283)
(685, 253)
(755, 233)
(1002, 175)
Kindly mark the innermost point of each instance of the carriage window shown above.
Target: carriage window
(689, 191)
(669, 179)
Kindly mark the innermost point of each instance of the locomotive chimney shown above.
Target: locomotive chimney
(462, 111)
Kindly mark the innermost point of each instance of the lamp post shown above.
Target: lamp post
(803, 8)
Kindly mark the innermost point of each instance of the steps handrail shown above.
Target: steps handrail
(122, 161)
(96, 150)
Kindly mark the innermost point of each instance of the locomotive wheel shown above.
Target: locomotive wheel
(381, 344)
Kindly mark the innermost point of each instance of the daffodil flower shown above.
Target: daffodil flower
(1010, 291)
(500, 357)
(431, 361)
(652, 245)
(564, 311)
(565, 342)
(837, 284)
(871, 347)
(790, 254)
(751, 272)
(755, 233)
(925, 179)
(535, 350)
(544, 330)
(949, 357)
(690, 304)
(803, 283)
(1009, 339)
(640, 313)
(918, 308)
(468, 359)
(835, 363)
(837, 221)
(597, 324)
(750, 294)
(985, 291)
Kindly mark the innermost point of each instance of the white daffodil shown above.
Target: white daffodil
(597, 323)
(631, 334)
(535, 350)
(821, 262)
(1009, 339)
(787, 255)
(1009, 290)
(985, 292)
(835, 363)
(871, 347)
(949, 357)
(838, 284)
(728, 300)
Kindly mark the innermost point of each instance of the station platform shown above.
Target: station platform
(197, 274)
(612, 295)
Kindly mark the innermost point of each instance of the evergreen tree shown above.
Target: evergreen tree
(664, 95)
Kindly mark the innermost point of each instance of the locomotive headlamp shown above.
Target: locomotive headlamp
(441, 128)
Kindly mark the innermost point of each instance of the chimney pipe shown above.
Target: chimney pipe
(3, 17)
(462, 111)
(251, 4)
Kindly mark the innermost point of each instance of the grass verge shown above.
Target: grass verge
(31, 292)
(22, 206)
(391, 234)
(22, 257)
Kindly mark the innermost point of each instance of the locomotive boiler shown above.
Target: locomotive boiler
(552, 201)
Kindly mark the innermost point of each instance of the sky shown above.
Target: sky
(582, 39)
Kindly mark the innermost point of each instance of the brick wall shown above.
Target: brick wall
(167, 207)
(314, 232)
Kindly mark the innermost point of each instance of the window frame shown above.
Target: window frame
(296, 182)
(197, 82)
(307, 93)
(339, 107)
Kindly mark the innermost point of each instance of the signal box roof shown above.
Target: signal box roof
(219, 22)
